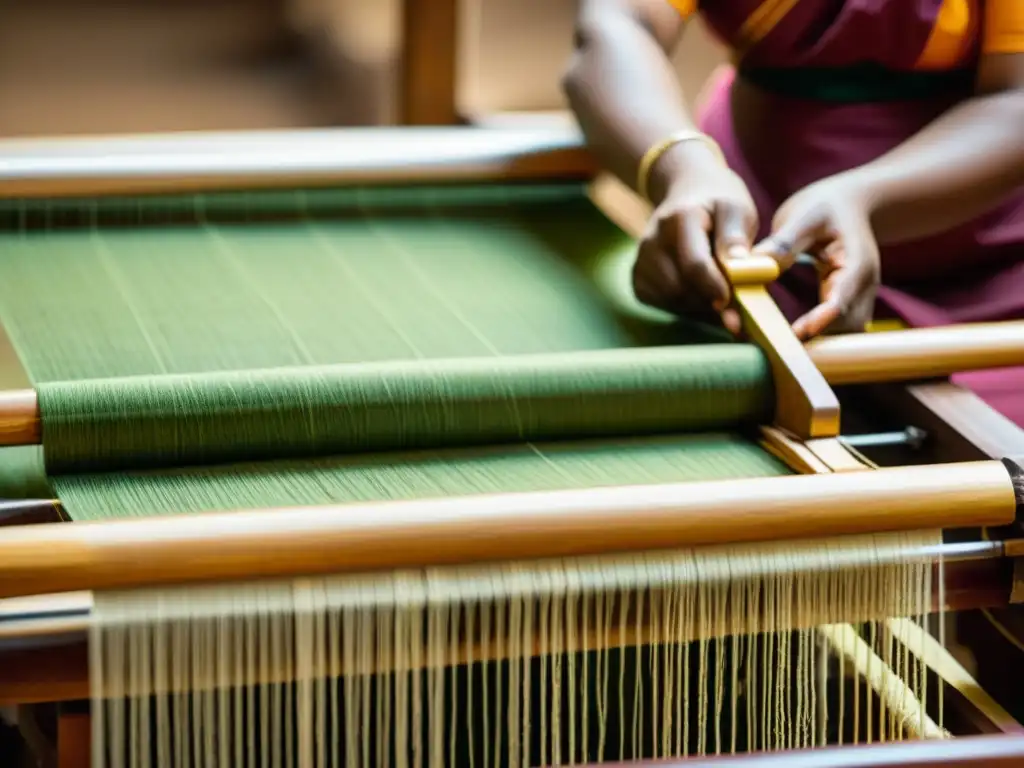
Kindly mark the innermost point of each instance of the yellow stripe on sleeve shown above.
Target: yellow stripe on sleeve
(948, 41)
(1004, 27)
(685, 7)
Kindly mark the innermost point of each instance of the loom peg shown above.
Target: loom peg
(755, 270)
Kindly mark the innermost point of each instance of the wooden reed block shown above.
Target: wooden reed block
(805, 405)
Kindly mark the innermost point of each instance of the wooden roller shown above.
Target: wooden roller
(205, 162)
(920, 353)
(887, 356)
(50, 558)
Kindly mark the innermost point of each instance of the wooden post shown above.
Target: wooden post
(429, 69)
(74, 738)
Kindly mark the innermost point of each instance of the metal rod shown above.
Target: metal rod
(1002, 751)
(962, 552)
(911, 437)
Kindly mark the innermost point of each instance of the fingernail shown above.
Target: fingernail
(738, 252)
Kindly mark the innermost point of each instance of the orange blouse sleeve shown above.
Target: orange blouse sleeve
(689, 7)
(1004, 26)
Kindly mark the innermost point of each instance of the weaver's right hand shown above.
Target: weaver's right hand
(700, 222)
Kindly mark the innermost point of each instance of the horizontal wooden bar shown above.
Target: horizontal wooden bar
(853, 359)
(1002, 751)
(197, 162)
(918, 353)
(43, 559)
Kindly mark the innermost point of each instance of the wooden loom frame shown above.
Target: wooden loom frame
(809, 411)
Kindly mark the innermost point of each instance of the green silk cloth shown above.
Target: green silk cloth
(272, 348)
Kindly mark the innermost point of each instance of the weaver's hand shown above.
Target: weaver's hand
(830, 221)
(699, 223)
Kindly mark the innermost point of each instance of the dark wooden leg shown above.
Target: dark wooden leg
(429, 62)
(74, 738)
(36, 725)
(962, 427)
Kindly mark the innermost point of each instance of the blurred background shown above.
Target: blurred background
(128, 66)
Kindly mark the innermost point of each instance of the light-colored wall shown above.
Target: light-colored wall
(104, 66)
(513, 51)
(519, 47)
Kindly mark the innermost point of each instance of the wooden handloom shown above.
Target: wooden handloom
(976, 485)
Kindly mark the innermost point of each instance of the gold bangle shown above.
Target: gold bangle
(653, 155)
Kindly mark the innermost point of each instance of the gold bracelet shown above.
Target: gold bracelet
(653, 155)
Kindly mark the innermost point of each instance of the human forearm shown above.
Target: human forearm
(956, 169)
(626, 95)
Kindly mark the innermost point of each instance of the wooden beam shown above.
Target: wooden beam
(40, 559)
(960, 425)
(429, 68)
(918, 353)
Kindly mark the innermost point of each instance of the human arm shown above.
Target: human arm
(626, 97)
(621, 85)
(955, 169)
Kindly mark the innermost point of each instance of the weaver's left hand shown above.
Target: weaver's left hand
(830, 221)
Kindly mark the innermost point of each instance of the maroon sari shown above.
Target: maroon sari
(838, 83)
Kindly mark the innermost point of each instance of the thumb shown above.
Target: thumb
(734, 228)
(790, 237)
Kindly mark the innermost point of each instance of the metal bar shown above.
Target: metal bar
(1002, 751)
(911, 437)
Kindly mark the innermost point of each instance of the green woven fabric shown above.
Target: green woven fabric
(102, 425)
(23, 473)
(479, 271)
(175, 331)
(424, 474)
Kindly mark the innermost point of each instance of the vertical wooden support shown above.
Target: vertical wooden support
(805, 405)
(429, 69)
(74, 740)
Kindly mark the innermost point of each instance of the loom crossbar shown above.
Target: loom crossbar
(853, 359)
(918, 353)
(51, 558)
